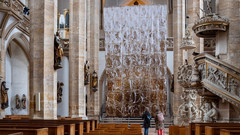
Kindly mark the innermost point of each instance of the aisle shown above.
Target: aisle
(152, 131)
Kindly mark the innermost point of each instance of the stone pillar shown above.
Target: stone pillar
(77, 47)
(193, 10)
(93, 50)
(178, 54)
(230, 10)
(42, 74)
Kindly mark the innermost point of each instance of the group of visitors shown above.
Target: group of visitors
(159, 121)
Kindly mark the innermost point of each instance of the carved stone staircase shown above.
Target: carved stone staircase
(219, 77)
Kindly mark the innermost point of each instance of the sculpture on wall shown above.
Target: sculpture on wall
(24, 99)
(4, 96)
(94, 82)
(18, 102)
(209, 110)
(188, 110)
(86, 70)
(58, 52)
(59, 91)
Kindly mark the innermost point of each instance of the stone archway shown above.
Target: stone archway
(17, 78)
(16, 72)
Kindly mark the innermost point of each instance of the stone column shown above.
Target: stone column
(231, 10)
(42, 74)
(77, 47)
(178, 54)
(193, 10)
(93, 50)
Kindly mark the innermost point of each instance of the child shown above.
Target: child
(159, 119)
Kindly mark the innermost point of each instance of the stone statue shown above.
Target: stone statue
(4, 96)
(209, 112)
(94, 81)
(86, 70)
(58, 52)
(24, 99)
(59, 91)
(18, 102)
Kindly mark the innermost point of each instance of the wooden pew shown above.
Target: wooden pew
(41, 131)
(78, 124)
(200, 127)
(52, 130)
(69, 129)
(229, 132)
(177, 130)
(18, 133)
(216, 130)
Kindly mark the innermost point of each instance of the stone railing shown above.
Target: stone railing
(219, 77)
(15, 8)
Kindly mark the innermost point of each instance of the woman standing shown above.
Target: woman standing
(147, 117)
(159, 120)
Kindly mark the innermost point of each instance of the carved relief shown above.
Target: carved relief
(18, 102)
(202, 70)
(209, 112)
(216, 76)
(233, 86)
(169, 43)
(184, 75)
(188, 110)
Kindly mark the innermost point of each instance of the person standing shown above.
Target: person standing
(159, 120)
(147, 118)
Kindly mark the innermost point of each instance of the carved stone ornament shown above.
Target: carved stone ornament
(195, 80)
(4, 96)
(188, 110)
(59, 91)
(209, 112)
(18, 102)
(94, 81)
(209, 25)
(184, 75)
(187, 42)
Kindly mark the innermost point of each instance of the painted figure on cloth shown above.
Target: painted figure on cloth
(4, 96)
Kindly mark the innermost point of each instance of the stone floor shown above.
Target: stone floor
(152, 131)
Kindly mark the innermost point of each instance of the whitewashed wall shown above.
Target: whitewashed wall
(20, 78)
(8, 68)
(63, 76)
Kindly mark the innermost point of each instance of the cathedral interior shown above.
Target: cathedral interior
(109, 60)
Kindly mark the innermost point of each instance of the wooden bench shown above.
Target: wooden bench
(69, 129)
(52, 129)
(18, 133)
(177, 130)
(216, 130)
(229, 132)
(41, 131)
(79, 125)
(200, 127)
(17, 117)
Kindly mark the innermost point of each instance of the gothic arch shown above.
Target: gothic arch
(131, 2)
(22, 41)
